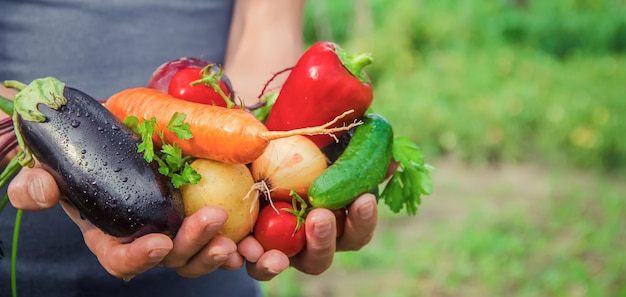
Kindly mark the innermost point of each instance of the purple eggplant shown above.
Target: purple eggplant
(94, 160)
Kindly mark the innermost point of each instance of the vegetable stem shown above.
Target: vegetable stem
(4, 201)
(14, 84)
(12, 168)
(212, 78)
(355, 63)
(6, 105)
(16, 234)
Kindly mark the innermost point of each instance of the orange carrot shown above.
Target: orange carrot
(228, 135)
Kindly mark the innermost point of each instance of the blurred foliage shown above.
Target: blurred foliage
(566, 241)
(493, 81)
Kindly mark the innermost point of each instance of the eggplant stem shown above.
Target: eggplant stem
(14, 84)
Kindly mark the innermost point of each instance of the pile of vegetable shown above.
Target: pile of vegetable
(187, 141)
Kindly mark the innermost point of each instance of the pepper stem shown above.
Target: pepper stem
(355, 63)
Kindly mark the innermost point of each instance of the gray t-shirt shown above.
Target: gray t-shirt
(101, 47)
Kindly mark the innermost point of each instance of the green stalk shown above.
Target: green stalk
(9, 171)
(212, 79)
(16, 234)
(6, 105)
(355, 63)
(4, 201)
(14, 84)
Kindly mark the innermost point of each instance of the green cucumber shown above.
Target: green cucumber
(359, 169)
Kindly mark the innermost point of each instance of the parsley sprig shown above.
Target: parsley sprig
(410, 181)
(170, 157)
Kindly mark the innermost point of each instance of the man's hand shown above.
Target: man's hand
(322, 243)
(196, 249)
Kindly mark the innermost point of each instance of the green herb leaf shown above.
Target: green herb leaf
(410, 181)
(145, 130)
(173, 156)
(191, 175)
(170, 158)
(179, 127)
(262, 112)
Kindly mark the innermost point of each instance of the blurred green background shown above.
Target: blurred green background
(520, 105)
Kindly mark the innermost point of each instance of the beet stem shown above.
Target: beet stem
(7, 144)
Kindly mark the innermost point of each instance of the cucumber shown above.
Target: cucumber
(359, 169)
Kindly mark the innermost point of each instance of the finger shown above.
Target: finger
(214, 255)
(234, 262)
(270, 264)
(33, 189)
(360, 224)
(122, 260)
(194, 234)
(250, 249)
(320, 248)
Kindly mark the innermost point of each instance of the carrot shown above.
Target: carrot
(228, 135)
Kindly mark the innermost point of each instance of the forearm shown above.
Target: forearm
(265, 37)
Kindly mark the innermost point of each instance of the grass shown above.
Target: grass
(498, 239)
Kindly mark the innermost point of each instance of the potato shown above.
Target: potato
(229, 186)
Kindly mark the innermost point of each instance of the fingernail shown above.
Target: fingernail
(157, 255)
(271, 271)
(366, 211)
(221, 258)
(323, 228)
(212, 227)
(35, 190)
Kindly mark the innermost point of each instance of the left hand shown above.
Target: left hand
(322, 243)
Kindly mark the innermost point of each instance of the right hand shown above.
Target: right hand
(196, 250)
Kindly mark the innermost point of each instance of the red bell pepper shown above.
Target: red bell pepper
(325, 82)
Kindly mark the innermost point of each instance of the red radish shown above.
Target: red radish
(208, 85)
(324, 82)
(161, 77)
(288, 164)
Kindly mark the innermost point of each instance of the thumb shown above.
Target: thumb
(33, 189)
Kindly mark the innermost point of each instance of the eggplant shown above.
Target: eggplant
(333, 150)
(94, 160)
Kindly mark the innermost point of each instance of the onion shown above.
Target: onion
(287, 164)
